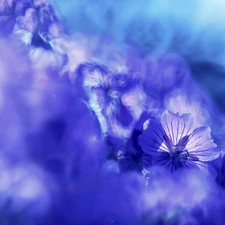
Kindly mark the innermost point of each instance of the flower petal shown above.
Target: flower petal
(154, 139)
(29, 21)
(206, 169)
(5, 6)
(176, 126)
(201, 145)
(6, 25)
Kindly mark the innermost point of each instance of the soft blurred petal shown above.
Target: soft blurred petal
(201, 145)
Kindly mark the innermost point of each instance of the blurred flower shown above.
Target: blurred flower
(117, 98)
(182, 101)
(174, 143)
(41, 22)
(9, 11)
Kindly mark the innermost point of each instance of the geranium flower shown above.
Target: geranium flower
(39, 24)
(174, 143)
(9, 11)
(116, 98)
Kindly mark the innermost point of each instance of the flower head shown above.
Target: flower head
(174, 143)
(9, 11)
(116, 98)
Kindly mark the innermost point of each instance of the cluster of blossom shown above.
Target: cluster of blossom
(102, 133)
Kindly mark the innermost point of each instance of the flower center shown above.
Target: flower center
(178, 158)
(179, 154)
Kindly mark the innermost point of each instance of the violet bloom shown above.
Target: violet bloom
(9, 11)
(174, 143)
(116, 98)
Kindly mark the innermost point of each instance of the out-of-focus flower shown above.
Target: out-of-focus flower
(182, 102)
(41, 22)
(34, 30)
(174, 143)
(117, 98)
(9, 11)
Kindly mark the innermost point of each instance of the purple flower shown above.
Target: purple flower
(9, 11)
(175, 143)
(116, 98)
(39, 25)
